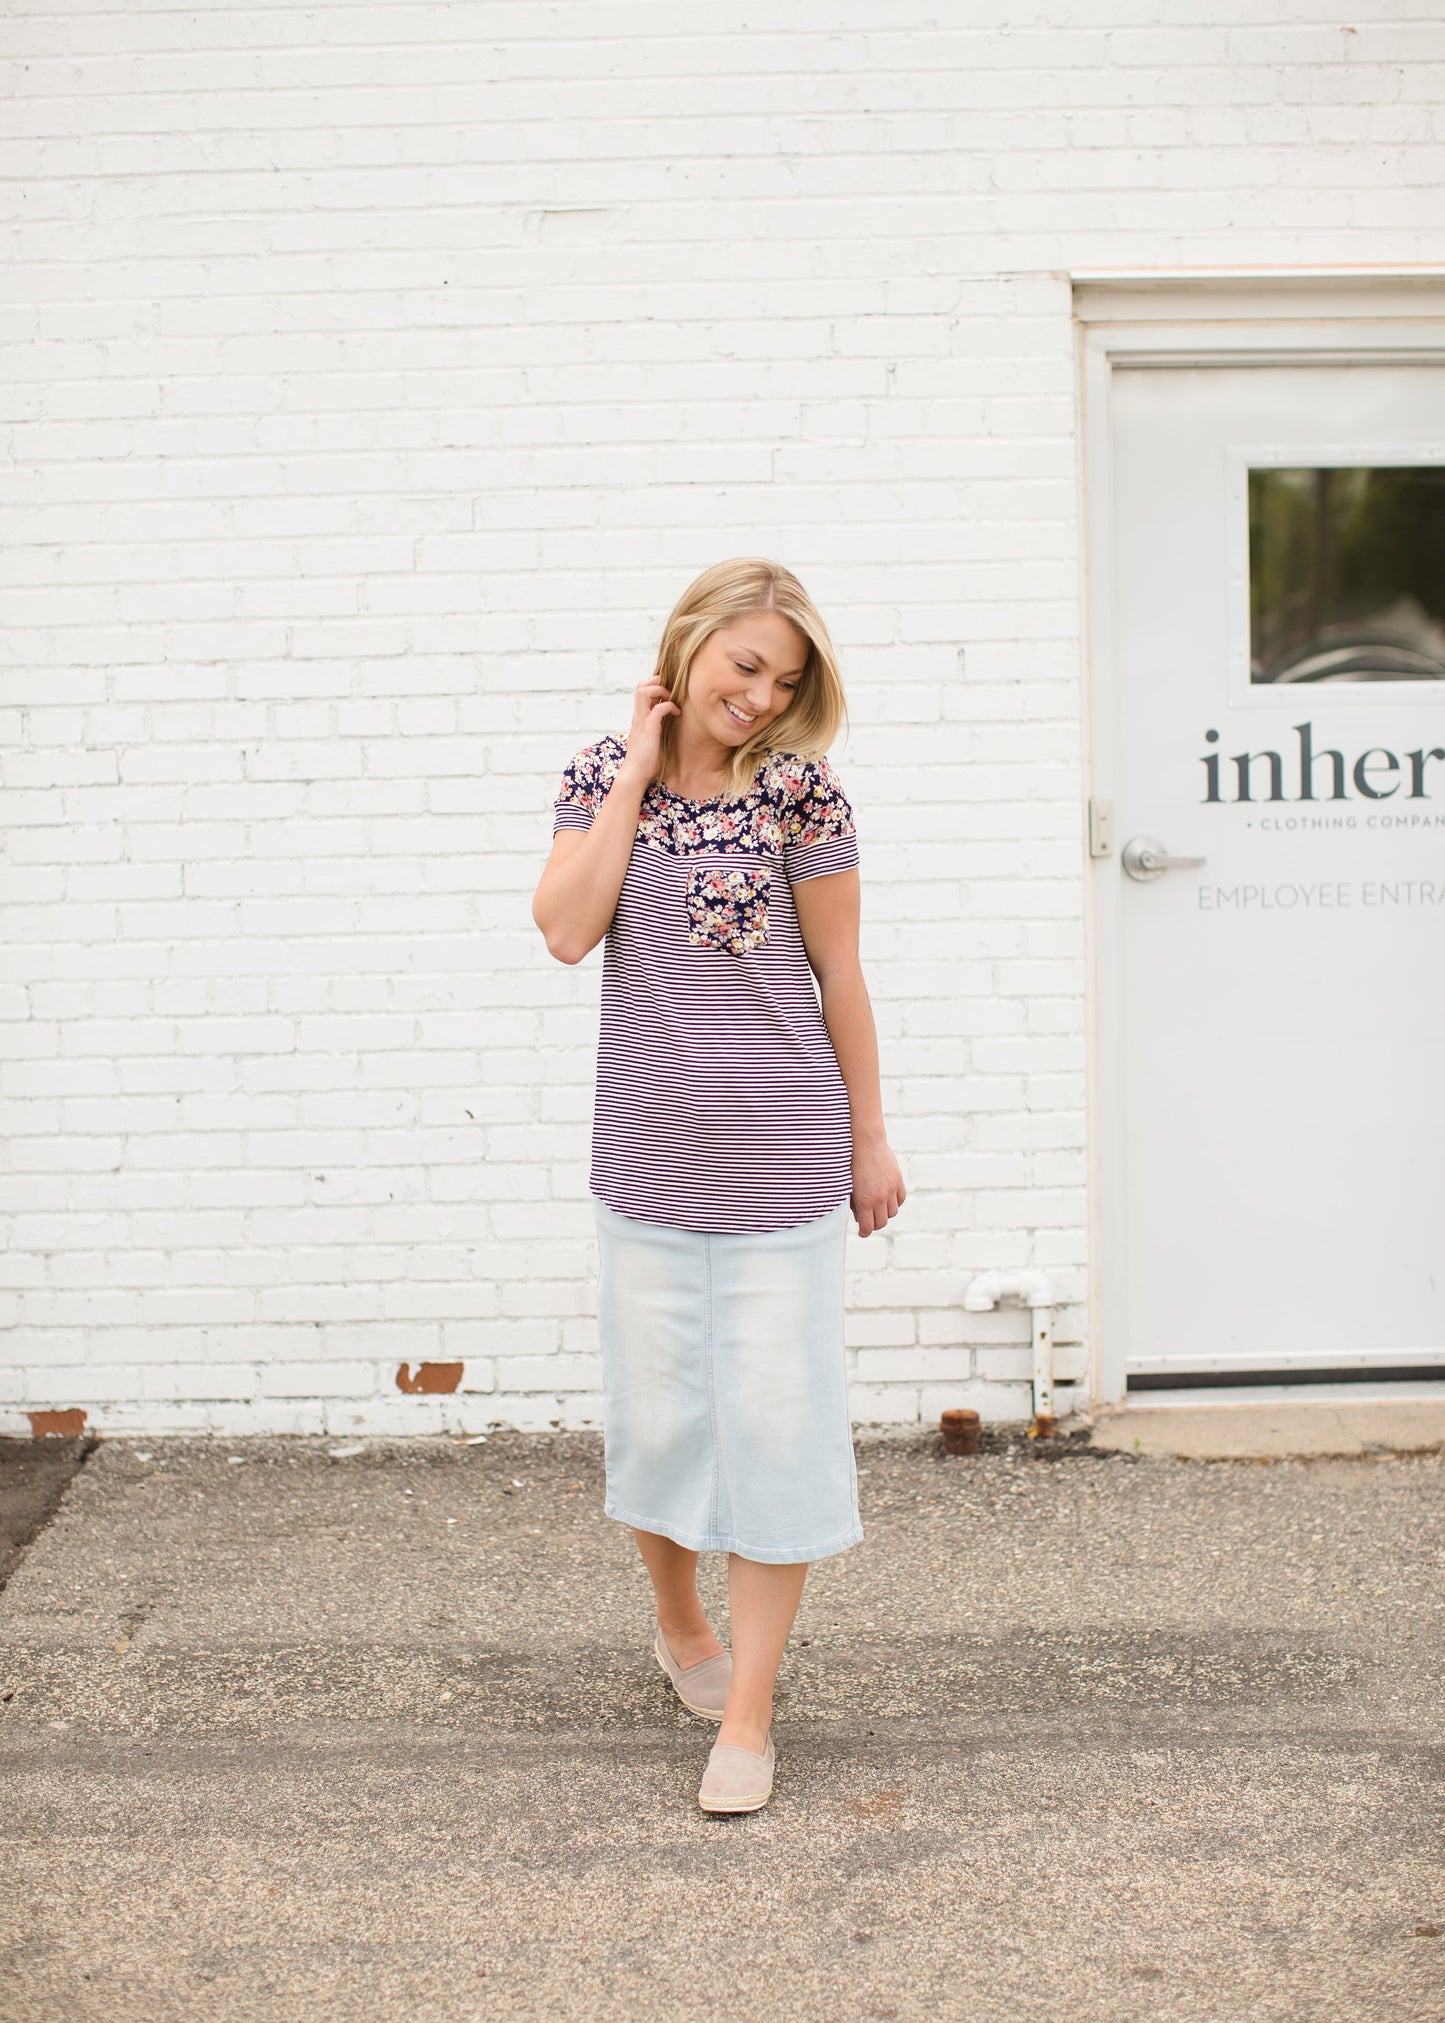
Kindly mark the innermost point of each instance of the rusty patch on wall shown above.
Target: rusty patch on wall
(429, 1377)
(69, 1425)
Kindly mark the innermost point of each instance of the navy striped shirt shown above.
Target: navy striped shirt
(720, 1105)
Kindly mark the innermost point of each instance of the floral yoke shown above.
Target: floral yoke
(793, 802)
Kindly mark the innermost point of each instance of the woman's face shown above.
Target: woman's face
(744, 675)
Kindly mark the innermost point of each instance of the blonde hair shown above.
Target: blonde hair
(731, 590)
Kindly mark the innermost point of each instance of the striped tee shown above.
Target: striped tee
(720, 1105)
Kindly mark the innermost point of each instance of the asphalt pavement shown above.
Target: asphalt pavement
(306, 1729)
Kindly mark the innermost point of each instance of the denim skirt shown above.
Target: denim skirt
(725, 1386)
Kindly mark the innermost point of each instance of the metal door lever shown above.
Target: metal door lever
(1145, 859)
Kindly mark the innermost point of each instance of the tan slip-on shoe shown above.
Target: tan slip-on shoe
(702, 1688)
(736, 1779)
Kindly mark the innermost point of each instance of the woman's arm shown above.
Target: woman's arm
(828, 912)
(576, 895)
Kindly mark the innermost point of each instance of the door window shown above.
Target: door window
(1347, 573)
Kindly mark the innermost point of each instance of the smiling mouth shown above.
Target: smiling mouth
(736, 714)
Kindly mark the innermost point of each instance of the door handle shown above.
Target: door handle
(1146, 860)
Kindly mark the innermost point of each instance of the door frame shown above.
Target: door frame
(1130, 322)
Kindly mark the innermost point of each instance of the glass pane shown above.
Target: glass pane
(1347, 574)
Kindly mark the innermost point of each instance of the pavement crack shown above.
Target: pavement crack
(34, 1476)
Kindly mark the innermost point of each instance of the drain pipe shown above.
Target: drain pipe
(1036, 1291)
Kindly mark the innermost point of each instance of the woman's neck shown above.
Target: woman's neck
(698, 767)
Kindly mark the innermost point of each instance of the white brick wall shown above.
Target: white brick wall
(376, 377)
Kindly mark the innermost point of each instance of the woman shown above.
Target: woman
(736, 1119)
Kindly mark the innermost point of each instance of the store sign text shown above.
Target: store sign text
(1376, 773)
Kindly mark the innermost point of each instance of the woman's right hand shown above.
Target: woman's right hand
(650, 704)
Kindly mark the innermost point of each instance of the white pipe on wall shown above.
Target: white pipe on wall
(1037, 1291)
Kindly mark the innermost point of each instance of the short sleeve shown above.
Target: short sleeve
(580, 794)
(819, 834)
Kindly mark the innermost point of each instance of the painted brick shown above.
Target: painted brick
(327, 1379)
(883, 1404)
(549, 1373)
(989, 1398)
(953, 1326)
(914, 1366)
(882, 1330)
(1010, 1365)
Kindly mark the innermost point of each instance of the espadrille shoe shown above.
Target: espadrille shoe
(737, 1779)
(702, 1689)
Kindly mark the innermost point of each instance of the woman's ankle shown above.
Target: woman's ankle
(690, 1639)
(746, 1730)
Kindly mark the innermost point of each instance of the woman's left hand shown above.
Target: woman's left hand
(878, 1190)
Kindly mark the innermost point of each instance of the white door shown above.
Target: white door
(1273, 1030)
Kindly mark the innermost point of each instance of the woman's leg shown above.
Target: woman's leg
(763, 1601)
(680, 1617)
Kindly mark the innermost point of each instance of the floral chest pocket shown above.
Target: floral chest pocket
(727, 906)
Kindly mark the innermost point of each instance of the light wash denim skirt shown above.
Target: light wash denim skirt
(725, 1387)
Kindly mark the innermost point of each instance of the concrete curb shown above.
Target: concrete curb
(1305, 1429)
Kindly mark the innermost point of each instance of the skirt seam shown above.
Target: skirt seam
(711, 1373)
